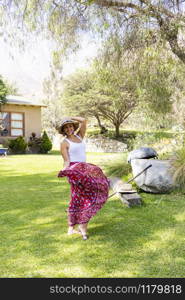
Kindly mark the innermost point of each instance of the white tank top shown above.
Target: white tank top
(77, 150)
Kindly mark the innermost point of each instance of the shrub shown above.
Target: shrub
(162, 142)
(178, 168)
(5, 143)
(46, 144)
(34, 143)
(18, 145)
(117, 168)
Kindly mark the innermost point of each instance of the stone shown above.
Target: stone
(142, 152)
(104, 144)
(156, 179)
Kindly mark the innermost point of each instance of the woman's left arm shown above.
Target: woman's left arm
(83, 125)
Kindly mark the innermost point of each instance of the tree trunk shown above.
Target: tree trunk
(170, 32)
(102, 128)
(117, 129)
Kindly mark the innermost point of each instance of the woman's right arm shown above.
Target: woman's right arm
(65, 154)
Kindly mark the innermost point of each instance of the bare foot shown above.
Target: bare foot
(76, 231)
(83, 231)
(72, 231)
(84, 237)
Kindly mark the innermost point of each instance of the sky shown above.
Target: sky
(28, 69)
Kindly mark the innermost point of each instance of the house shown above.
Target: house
(20, 117)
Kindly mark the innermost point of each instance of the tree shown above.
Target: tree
(155, 76)
(178, 103)
(52, 114)
(45, 144)
(11, 88)
(138, 23)
(167, 15)
(119, 89)
(65, 20)
(103, 93)
(150, 70)
(80, 96)
(3, 91)
(161, 85)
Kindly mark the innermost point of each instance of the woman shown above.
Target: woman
(89, 186)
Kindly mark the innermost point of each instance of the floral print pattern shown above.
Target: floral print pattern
(89, 191)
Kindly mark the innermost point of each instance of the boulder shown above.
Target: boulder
(157, 179)
(143, 152)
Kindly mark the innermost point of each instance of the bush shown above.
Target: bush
(178, 164)
(5, 143)
(34, 143)
(46, 144)
(118, 168)
(18, 145)
(39, 144)
(162, 142)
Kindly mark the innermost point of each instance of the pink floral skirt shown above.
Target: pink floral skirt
(89, 191)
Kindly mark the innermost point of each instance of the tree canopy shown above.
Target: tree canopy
(66, 20)
(3, 91)
(148, 78)
(103, 92)
(150, 33)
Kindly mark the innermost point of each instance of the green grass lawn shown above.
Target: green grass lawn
(146, 241)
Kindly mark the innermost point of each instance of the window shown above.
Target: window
(11, 124)
(16, 124)
(4, 124)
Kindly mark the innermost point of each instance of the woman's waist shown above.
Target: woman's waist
(76, 162)
(80, 157)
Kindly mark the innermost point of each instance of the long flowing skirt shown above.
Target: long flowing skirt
(89, 191)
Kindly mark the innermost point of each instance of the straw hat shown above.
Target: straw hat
(67, 121)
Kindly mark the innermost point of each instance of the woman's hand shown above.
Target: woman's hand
(78, 119)
(83, 125)
(66, 165)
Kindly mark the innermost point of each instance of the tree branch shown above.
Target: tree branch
(151, 10)
(117, 5)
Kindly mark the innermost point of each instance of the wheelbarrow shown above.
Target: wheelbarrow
(124, 190)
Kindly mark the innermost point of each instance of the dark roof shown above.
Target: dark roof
(19, 100)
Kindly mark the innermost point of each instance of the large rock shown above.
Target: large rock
(143, 152)
(157, 178)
